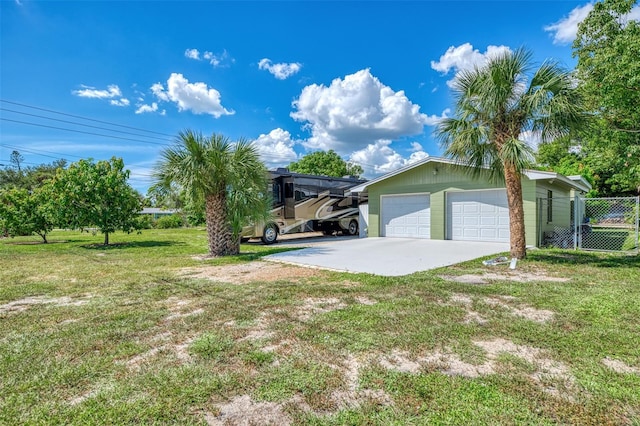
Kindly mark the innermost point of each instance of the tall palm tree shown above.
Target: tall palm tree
(498, 103)
(218, 173)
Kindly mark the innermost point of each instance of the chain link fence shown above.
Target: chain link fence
(602, 224)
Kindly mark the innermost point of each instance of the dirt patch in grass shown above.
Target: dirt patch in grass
(505, 302)
(312, 307)
(486, 278)
(181, 352)
(620, 367)
(243, 273)
(351, 396)
(260, 330)
(24, 304)
(180, 308)
(523, 311)
(363, 300)
(243, 411)
(552, 376)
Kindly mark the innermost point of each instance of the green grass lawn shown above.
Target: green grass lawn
(143, 332)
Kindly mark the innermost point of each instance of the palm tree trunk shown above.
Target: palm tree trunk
(513, 183)
(218, 232)
(234, 245)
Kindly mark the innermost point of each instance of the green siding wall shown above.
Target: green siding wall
(449, 178)
(561, 206)
(422, 179)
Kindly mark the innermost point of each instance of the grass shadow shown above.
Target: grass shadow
(601, 260)
(254, 255)
(131, 244)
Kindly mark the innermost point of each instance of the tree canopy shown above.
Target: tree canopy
(24, 212)
(96, 194)
(325, 163)
(607, 48)
(225, 177)
(31, 177)
(495, 105)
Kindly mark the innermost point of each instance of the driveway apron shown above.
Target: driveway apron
(388, 256)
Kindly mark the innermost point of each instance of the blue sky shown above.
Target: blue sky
(367, 79)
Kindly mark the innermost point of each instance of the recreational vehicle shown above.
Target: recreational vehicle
(306, 203)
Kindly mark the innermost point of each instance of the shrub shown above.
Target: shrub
(145, 221)
(173, 221)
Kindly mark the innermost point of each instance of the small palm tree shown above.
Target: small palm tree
(495, 105)
(222, 175)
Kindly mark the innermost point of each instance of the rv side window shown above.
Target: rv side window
(288, 190)
(275, 192)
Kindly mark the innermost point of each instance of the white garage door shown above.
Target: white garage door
(478, 215)
(407, 216)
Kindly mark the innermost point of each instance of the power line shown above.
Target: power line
(84, 118)
(80, 131)
(38, 151)
(80, 124)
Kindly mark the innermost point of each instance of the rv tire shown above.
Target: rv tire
(270, 234)
(353, 228)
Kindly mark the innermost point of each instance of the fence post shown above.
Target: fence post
(637, 223)
(577, 222)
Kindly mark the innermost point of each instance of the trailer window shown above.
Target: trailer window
(275, 193)
(288, 190)
(306, 192)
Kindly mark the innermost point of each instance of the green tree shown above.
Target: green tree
(97, 194)
(227, 178)
(563, 156)
(325, 163)
(495, 104)
(27, 212)
(29, 177)
(608, 47)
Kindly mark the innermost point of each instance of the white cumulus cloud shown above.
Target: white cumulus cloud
(276, 148)
(434, 120)
(565, 30)
(379, 158)
(195, 97)
(147, 108)
(112, 91)
(192, 54)
(122, 102)
(465, 57)
(218, 60)
(354, 112)
(416, 147)
(281, 71)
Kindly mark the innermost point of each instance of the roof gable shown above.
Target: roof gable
(574, 182)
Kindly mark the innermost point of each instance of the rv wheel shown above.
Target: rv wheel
(353, 228)
(270, 234)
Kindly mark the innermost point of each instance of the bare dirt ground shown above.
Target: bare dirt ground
(552, 376)
(248, 272)
(487, 277)
(620, 367)
(24, 304)
(504, 302)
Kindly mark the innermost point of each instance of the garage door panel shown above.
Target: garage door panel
(478, 216)
(406, 216)
(470, 221)
(488, 221)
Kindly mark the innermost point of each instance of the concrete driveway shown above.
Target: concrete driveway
(388, 256)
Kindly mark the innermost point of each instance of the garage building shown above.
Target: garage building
(438, 198)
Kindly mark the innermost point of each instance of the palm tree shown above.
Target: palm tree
(224, 176)
(495, 105)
